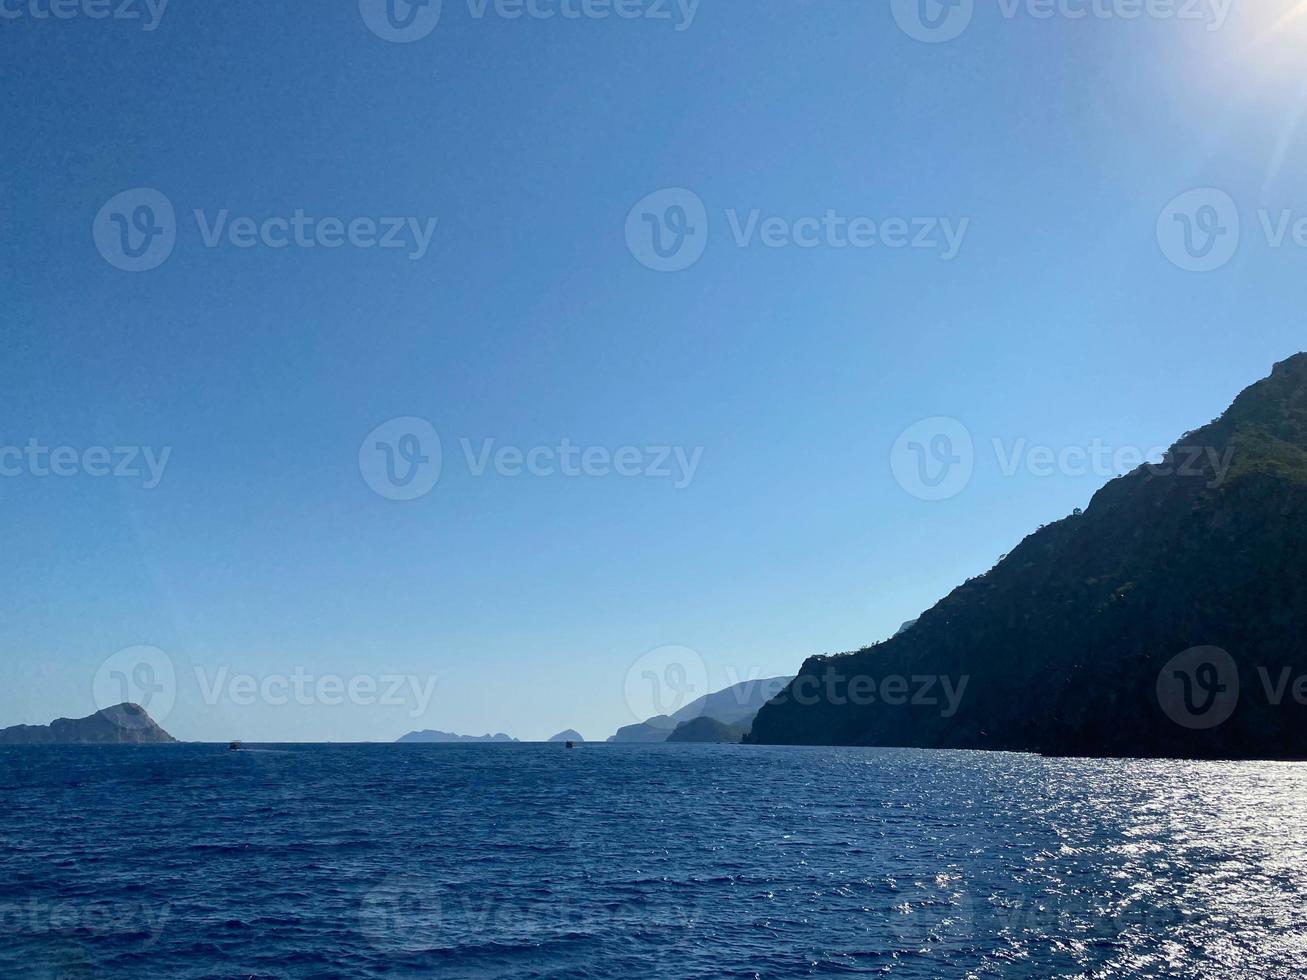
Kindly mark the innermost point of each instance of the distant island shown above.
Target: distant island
(733, 708)
(431, 735)
(1114, 632)
(569, 735)
(123, 724)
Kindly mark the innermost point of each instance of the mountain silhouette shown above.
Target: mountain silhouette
(733, 706)
(122, 724)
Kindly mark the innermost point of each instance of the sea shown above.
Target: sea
(644, 861)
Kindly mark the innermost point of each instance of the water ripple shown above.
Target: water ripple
(653, 861)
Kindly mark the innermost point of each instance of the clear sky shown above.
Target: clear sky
(1061, 315)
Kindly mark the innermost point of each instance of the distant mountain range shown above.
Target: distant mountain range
(123, 724)
(430, 735)
(1167, 619)
(734, 707)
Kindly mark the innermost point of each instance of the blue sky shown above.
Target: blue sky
(1063, 319)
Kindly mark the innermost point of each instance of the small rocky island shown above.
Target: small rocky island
(431, 735)
(123, 724)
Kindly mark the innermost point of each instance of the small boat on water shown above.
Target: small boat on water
(571, 745)
(235, 747)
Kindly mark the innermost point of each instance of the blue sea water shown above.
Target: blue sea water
(533, 861)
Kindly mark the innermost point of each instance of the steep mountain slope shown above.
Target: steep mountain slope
(1066, 646)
